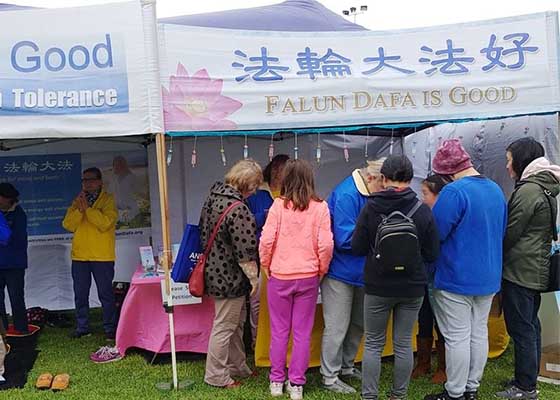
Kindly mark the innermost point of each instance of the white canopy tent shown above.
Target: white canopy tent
(234, 92)
(119, 40)
(100, 74)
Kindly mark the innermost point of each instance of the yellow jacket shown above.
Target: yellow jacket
(94, 230)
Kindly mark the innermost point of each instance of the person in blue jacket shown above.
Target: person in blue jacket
(5, 231)
(259, 204)
(342, 289)
(13, 258)
(471, 217)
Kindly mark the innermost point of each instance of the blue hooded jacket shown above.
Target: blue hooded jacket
(259, 204)
(14, 253)
(345, 203)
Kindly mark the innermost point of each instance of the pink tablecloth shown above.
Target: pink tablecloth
(144, 323)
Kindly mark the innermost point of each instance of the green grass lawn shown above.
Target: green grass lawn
(134, 378)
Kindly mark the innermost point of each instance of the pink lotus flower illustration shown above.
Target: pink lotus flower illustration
(196, 103)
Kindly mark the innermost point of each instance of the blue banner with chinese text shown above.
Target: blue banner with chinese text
(47, 185)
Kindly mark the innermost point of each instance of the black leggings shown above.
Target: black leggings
(427, 319)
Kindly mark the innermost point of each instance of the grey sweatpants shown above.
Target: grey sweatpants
(343, 312)
(376, 315)
(463, 321)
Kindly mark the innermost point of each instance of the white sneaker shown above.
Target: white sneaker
(276, 389)
(338, 386)
(296, 392)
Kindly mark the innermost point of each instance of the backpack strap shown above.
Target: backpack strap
(414, 209)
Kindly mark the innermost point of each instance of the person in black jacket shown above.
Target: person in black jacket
(401, 293)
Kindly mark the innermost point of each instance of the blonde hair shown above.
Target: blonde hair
(373, 168)
(245, 176)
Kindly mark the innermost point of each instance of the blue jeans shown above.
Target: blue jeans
(521, 309)
(103, 273)
(14, 279)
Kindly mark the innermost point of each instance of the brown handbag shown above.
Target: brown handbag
(196, 280)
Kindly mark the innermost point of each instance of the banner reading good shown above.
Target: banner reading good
(217, 79)
(88, 71)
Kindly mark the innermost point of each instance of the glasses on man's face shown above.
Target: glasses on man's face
(89, 179)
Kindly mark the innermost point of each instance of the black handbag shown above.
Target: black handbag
(554, 268)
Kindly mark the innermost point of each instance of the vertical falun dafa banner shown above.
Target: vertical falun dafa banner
(218, 79)
(79, 72)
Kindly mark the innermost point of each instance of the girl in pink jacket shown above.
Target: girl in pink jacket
(295, 250)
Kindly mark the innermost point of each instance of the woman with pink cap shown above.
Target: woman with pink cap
(471, 216)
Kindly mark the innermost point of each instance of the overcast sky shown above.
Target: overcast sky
(381, 15)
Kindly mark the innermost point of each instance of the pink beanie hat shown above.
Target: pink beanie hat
(451, 157)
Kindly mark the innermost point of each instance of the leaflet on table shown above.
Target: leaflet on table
(174, 252)
(148, 261)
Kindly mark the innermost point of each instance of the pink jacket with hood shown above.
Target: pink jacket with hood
(296, 244)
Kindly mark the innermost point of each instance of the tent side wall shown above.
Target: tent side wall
(485, 140)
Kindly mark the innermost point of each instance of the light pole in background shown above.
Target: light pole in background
(353, 11)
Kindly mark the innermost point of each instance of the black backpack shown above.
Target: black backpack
(397, 248)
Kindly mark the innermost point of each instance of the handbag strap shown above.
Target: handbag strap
(217, 227)
(548, 195)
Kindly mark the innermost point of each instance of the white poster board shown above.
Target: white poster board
(180, 295)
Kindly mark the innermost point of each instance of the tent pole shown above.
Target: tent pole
(164, 209)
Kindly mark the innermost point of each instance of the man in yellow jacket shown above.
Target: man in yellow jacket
(92, 218)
